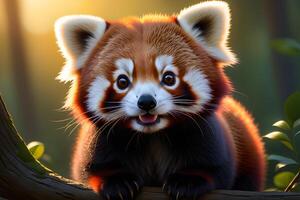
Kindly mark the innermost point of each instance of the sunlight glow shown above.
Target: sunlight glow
(39, 16)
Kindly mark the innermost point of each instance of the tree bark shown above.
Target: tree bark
(23, 177)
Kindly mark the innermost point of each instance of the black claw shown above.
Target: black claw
(186, 187)
(120, 187)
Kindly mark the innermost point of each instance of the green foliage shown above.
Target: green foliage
(37, 149)
(287, 46)
(282, 125)
(288, 134)
(282, 179)
(292, 108)
(25, 155)
(282, 159)
(280, 136)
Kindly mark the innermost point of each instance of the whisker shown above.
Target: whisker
(111, 128)
(91, 119)
(186, 114)
(62, 120)
(240, 93)
(131, 139)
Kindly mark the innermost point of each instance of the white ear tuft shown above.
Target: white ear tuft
(209, 24)
(76, 36)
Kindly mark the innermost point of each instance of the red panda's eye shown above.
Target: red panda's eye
(123, 82)
(169, 78)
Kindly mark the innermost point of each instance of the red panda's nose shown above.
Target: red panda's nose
(146, 102)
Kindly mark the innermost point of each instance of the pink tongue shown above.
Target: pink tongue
(147, 119)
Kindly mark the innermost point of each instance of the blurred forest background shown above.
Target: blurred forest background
(30, 61)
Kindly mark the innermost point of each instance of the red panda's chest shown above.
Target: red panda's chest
(159, 161)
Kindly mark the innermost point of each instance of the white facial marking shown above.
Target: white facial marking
(124, 66)
(162, 61)
(95, 93)
(163, 64)
(162, 97)
(199, 84)
(150, 129)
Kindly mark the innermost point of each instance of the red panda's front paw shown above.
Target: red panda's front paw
(182, 186)
(120, 187)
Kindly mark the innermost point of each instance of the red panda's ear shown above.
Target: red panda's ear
(76, 36)
(209, 24)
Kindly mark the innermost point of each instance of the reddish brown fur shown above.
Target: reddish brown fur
(141, 40)
(96, 183)
(248, 144)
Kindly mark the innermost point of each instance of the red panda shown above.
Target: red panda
(155, 105)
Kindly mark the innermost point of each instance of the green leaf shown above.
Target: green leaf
(282, 179)
(282, 159)
(286, 46)
(297, 142)
(280, 136)
(292, 107)
(296, 123)
(37, 149)
(282, 124)
(296, 188)
(296, 128)
(281, 167)
(277, 135)
(288, 145)
(271, 190)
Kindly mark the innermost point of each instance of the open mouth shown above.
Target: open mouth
(148, 119)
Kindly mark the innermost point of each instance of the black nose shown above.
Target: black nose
(146, 102)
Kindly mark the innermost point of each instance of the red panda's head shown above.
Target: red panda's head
(147, 72)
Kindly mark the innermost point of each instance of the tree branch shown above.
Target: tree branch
(23, 177)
